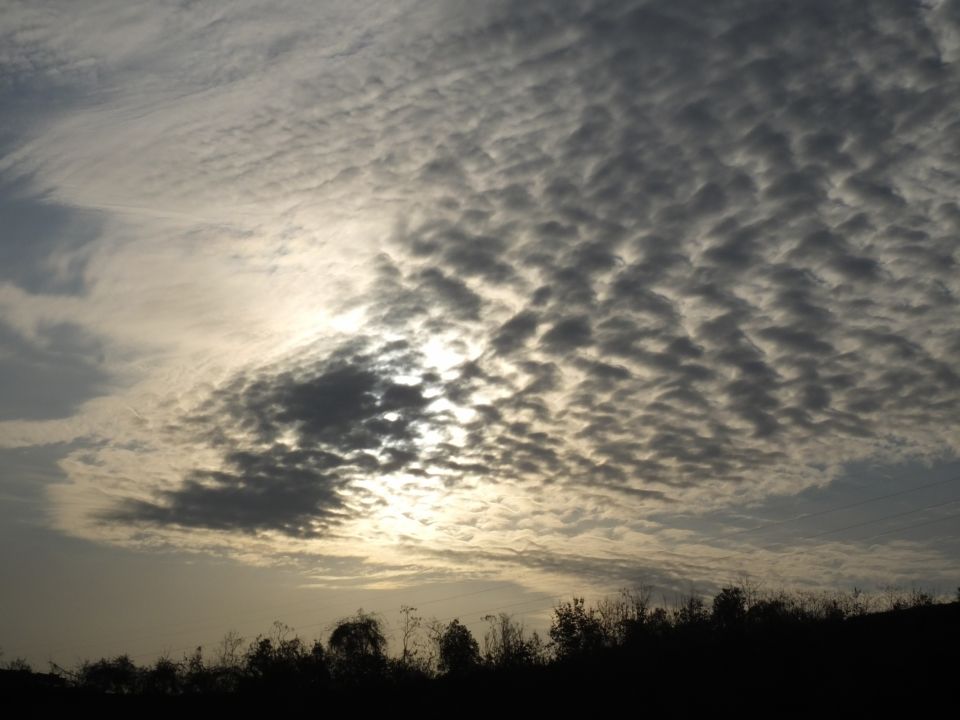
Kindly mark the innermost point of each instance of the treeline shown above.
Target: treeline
(775, 639)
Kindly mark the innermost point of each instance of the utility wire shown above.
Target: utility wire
(881, 519)
(910, 527)
(847, 506)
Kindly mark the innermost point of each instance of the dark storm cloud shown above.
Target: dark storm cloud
(292, 440)
(50, 374)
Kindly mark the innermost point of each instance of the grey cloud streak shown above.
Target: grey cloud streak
(51, 373)
(42, 243)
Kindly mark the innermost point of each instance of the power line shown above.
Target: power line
(849, 527)
(910, 527)
(881, 519)
(847, 506)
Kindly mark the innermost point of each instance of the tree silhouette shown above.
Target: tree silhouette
(506, 644)
(767, 641)
(197, 677)
(410, 623)
(729, 608)
(576, 631)
(626, 616)
(690, 612)
(459, 651)
(357, 648)
(282, 663)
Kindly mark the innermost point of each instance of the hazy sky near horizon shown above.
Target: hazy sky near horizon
(540, 296)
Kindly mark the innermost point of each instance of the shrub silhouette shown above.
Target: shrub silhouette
(164, 678)
(113, 677)
(284, 665)
(775, 611)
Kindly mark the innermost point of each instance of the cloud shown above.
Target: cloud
(291, 495)
(25, 473)
(452, 292)
(662, 253)
(292, 440)
(51, 374)
(516, 331)
(42, 247)
(569, 334)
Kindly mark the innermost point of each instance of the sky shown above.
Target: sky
(308, 306)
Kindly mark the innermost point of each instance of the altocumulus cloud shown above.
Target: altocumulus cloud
(291, 440)
(638, 255)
